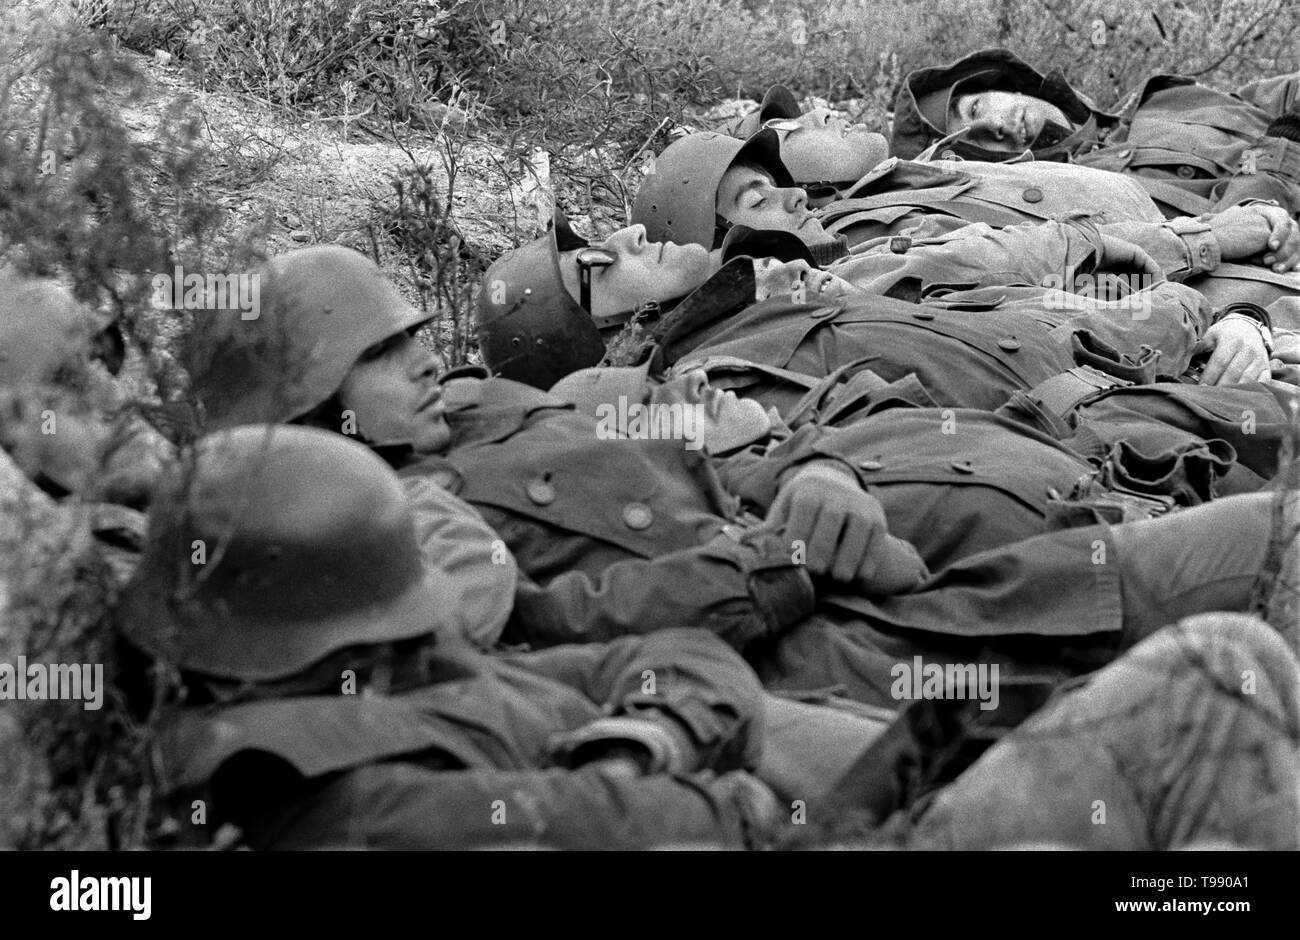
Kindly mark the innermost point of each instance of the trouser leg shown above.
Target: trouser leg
(807, 747)
(1192, 736)
(405, 806)
(1085, 591)
(1205, 558)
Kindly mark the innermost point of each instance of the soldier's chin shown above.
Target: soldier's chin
(740, 422)
(690, 259)
(431, 437)
(1051, 134)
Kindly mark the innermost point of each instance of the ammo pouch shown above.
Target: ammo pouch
(1061, 394)
(1131, 486)
(1090, 350)
(1185, 475)
(1100, 367)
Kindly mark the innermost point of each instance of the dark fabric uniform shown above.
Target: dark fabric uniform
(469, 759)
(955, 482)
(981, 350)
(1154, 739)
(1194, 149)
(898, 194)
(600, 513)
(1185, 143)
(610, 538)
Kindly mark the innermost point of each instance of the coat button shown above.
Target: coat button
(963, 466)
(1009, 343)
(541, 492)
(870, 464)
(637, 516)
(948, 155)
(899, 244)
(1186, 172)
(922, 314)
(1032, 194)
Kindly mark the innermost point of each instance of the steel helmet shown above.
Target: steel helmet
(779, 102)
(42, 327)
(284, 545)
(530, 329)
(320, 309)
(678, 200)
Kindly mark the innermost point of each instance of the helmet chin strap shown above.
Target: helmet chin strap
(651, 310)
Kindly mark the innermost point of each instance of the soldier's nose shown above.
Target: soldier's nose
(795, 198)
(632, 239)
(697, 383)
(425, 364)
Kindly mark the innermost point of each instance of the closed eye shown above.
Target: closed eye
(381, 348)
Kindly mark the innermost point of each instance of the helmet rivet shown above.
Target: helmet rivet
(515, 341)
(528, 291)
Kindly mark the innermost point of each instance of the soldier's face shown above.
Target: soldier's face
(1003, 120)
(643, 271)
(54, 434)
(393, 393)
(58, 426)
(726, 421)
(827, 148)
(748, 196)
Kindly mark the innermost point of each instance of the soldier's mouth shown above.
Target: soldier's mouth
(713, 406)
(431, 397)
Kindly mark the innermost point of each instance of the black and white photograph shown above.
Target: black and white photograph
(856, 434)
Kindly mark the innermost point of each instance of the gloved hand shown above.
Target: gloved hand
(844, 532)
(1244, 231)
(1239, 354)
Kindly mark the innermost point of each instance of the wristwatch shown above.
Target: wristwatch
(1253, 313)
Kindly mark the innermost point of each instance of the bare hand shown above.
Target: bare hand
(1245, 231)
(1239, 353)
(844, 531)
(796, 281)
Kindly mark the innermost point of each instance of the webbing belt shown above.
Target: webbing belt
(1185, 202)
(1061, 393)
(965, 210)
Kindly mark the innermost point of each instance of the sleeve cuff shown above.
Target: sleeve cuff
(1200, 247)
